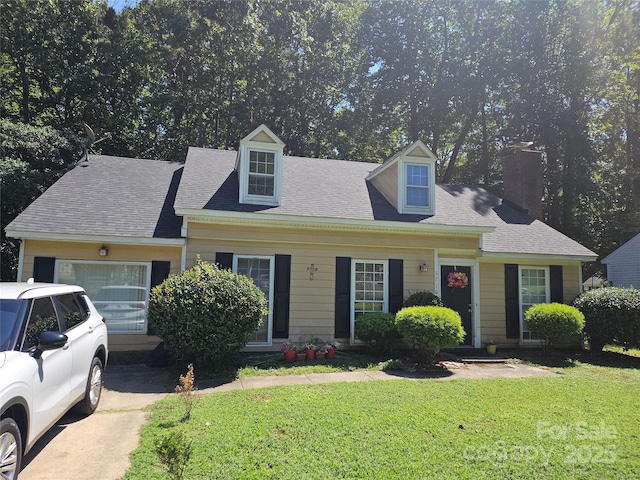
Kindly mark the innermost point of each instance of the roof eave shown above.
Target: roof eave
(64, 237)
(540, 256)
(359, 224)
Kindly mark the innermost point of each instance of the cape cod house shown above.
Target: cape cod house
(325, 239)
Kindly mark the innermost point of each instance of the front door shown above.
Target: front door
(455, 291)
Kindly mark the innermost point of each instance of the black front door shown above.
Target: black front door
(455, 290)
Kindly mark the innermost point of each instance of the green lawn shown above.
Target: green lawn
(581, 424)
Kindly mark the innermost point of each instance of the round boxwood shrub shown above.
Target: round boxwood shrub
(377, 329)
(422, 299)
(205, 312)
(428, 329)
(553, 322)
(612, 315)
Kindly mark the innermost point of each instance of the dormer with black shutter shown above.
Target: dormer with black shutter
(259, 168)
(408, 180)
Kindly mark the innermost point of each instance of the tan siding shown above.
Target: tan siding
(387, 183)
(89, 251)
(571, 287)
(261, 137)
(417, 152)
(313, 301)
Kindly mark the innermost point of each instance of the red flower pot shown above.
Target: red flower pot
(289, 356)
(331, 353)
(310, 353)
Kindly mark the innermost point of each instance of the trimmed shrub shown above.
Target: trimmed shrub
(612, 315)
(423, 299)
(428, 329)
(553, 322)
(205, 312)
(377, 329)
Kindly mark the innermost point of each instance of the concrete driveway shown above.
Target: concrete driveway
(97, 447)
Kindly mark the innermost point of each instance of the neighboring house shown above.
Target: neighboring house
(324, 239)
(623, 264)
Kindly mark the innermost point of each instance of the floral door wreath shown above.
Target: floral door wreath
(457, 279)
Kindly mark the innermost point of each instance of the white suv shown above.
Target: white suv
(53, 349)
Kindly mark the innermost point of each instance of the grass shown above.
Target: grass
(579, 424)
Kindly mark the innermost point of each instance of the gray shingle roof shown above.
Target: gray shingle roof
(108, 196)
(135, 198)
(311, 187)
(515, 232)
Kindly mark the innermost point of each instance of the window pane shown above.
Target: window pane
(70, 310)
(43, 319)
(258, 269)
(533, 282)
(261, 185)
(369, 286)
(417, 186)
(118, 291)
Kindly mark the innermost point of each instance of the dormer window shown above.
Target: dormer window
(259, 168)
(407, 180)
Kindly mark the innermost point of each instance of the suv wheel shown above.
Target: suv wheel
(89, 403)
(10, 449)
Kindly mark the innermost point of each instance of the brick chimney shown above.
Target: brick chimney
(522, 179)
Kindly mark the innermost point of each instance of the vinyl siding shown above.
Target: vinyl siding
(313, 301)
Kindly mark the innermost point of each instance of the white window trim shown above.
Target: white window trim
(272, 269)
(97, 262)
(245, 153)
(547, 298)
(402, 186)
(385, 306)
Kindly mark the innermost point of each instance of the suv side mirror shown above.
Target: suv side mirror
(49, 341)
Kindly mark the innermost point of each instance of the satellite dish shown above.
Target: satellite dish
(90, 140)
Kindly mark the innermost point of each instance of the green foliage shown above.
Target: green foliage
(376, 329)
(428, 329)
(553, 322)
(422, 299)
(612, 315)
(174, 452)
(206, 312)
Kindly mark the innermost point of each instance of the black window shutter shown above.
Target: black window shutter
(282, 288)
(343, 297)
(396, 288)
(224, 260)
(159, 272)
(555, 282)
(43, 269)
(512, 300)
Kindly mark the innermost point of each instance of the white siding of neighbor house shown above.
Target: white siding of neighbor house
(623, 265)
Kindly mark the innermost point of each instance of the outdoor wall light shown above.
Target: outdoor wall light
(103, 251)
(424, 267)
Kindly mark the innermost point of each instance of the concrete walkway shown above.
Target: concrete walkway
(97, 447)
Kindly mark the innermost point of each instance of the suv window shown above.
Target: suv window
(43, 318)
(70, 310)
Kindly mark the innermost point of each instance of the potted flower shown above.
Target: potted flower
(310, 351)
(289, 351)
(491, 347)
(331, 349)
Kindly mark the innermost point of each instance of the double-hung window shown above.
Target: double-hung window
(534, 289)
(369, 288)
(261, 270)
(416, 186)
(261, 173)
(417, 180)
